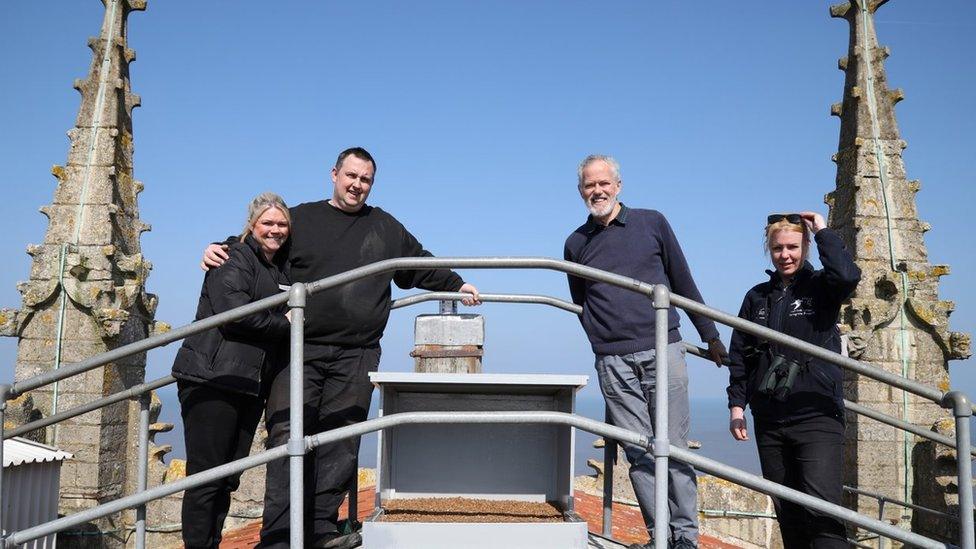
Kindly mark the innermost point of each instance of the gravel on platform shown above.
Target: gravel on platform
(468, 510)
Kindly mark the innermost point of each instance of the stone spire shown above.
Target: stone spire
(86, 292)
(895, 319)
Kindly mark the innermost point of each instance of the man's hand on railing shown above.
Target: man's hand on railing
(214, 256)
(475, 298)
(737, 423)
(717, 352)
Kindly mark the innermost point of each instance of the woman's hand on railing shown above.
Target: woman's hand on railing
(737, 423)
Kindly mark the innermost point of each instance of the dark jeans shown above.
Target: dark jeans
(336, 392)
(806, 455)
(218, 427)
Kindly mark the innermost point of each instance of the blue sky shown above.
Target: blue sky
(478, 113)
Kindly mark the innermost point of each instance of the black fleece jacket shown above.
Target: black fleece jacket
(807, 309)
(237, 355)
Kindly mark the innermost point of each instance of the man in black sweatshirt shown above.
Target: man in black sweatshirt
(343, 327)
(620, 326)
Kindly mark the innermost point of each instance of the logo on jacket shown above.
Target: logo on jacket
(801, 306)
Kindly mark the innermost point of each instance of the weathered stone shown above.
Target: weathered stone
(727, 507)
(895, 316)
(86, 292)
(448, 343)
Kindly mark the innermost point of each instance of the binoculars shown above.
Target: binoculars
(778, 380)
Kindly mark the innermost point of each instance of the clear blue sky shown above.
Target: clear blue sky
(478, 113)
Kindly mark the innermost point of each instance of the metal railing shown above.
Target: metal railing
(298, 444)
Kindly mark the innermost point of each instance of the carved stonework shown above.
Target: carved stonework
(895, 320)
(86, 292)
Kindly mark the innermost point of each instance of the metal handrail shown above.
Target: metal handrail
(609, 450)
(863, 411)
(661, 299)
(413, 418)
(132, 392)
(418, 263)
(439, 296)
(886, 499)
(488, 298)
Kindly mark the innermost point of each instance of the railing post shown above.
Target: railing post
(4, 395)
(448, 307)
(963, 410)
(609, 457)
(662, 303)
(142, 471)
(296, 435)
(352, 513)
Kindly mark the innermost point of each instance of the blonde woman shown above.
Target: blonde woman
(223, 374)
(796, 400)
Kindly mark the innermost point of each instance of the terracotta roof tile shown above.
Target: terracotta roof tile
(628, 525)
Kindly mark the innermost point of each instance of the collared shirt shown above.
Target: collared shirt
(621, 219)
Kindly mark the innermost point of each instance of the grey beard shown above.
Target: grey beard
(604, 211)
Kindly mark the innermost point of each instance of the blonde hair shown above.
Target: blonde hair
(262, 203)
(784, 225)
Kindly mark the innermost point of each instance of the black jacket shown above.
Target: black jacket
(807, 309)
(327, 241)
(237, 355)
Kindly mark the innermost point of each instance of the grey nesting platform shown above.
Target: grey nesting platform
(521, 462)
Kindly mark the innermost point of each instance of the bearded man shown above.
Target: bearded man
(620, 326)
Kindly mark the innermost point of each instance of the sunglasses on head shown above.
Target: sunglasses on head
(792, 218)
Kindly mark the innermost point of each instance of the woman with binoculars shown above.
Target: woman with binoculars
(797, 401)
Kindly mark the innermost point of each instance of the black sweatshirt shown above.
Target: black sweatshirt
(639, 244)
(807, 309)
(326, 241)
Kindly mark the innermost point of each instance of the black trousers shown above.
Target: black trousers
(807, 455)
(336, 392)
(218, 427)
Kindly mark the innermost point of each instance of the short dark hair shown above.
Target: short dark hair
(359, 153)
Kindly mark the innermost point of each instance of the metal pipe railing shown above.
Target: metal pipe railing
(885, 499)
(131, 392)
(4, 394)
(521, 417)
(815, 351)
(862, 410)
(296, 445)
(488, 298)
(143, 345)
(142, 474)
(962, 408)
(483, 263)
(661, 300)
(609, 459)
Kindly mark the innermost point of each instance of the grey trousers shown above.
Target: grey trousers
(628, 385)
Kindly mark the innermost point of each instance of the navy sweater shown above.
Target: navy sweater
(639, 244)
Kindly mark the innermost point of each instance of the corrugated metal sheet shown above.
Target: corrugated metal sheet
(18, 451)
(31, 478)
